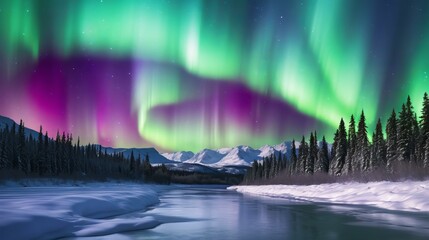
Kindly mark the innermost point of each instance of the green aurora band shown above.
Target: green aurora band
(323, 57)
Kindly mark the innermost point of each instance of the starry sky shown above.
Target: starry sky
(190, 74)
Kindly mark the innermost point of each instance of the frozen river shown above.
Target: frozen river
(132, 211)
(213, 213)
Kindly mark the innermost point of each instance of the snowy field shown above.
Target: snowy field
(41, 211)
(404, 196)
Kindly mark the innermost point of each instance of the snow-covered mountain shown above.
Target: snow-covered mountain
(206, 157)
(237, 156)
(179, 156)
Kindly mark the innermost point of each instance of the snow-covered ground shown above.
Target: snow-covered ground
(50, 212)
(405, 196)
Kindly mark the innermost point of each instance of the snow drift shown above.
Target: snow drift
(56, 212)
(405, 196)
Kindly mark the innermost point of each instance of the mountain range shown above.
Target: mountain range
(232, 160)
(224, 157)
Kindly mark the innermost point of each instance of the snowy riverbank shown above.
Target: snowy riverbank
(405, 196)
(45, 211)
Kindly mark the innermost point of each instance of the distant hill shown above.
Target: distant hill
(154, 156)
(5, 121)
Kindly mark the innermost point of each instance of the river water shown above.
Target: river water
(217, 213)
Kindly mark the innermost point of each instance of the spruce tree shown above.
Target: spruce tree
(361, 161)
(404, 135)
(3, 157)
(341, 149)
(315, 150)
(323, 157)
(351, 145)
(311, 156)
(332, 162)
(254, 171)
(392, 142)
(415, 156)
(147, 168)
(22, 157)
(41, 153)
(414, 131)
(132, 162)
(334, 145)
(424, 124)
(426, 159)
(46, 152)
(13, 147)
(138, 166)
(379, 151)
(282, 162)
(302, 156)
(293, 158)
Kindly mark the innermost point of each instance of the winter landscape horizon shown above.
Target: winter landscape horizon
(208, 119)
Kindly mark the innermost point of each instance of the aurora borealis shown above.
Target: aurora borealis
(190, 74)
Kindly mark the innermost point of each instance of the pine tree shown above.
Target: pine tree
(40, 153)
(424, 124)
(315, 150)
(413, 131)
(3, 157)
(273, 166)
(426, 159)
(341, 149)
(302, 156)
(392, 142)
(372, 153)
(147, 168)
(22, 158)
(323, 157)
(415, 139)
(282, 162)
(311, 156)
(351, 145)
(404, 135)
(361, 161)
(332, 162)
(334, 145)
(254, 171)
(138, 166)
(293, 158)
(379, 145)
(132, 162)
(13, 147)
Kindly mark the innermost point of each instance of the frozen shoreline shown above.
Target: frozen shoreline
(46, 211)
(404, 196)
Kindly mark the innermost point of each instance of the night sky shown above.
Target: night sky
(188, 75)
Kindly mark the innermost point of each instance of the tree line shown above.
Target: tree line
(22, 155)
(405, 146)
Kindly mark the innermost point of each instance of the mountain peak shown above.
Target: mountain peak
(241, 155)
